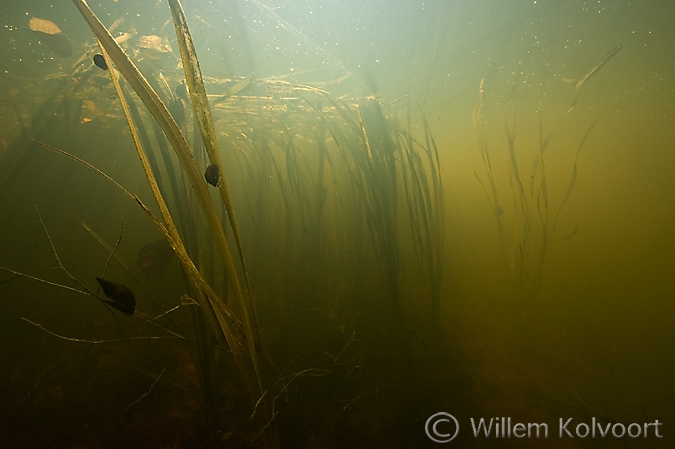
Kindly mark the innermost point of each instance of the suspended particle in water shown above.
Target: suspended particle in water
(52, 36)
(211, 175)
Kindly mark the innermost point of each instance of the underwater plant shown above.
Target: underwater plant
(527, 232)
(338, 190)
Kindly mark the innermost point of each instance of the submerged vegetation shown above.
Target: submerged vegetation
(527, 218)
(340, 197)
(271, 273)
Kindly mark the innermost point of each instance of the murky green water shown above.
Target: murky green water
(533, 284)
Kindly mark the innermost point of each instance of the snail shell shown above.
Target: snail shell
(212, 174)
(99, 60)
(121, 297)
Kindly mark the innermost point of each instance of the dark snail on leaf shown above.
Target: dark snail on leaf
(99, 60)
(120, 296)
(211, 174)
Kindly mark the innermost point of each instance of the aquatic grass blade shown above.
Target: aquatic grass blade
(158, 109)
(195, 83)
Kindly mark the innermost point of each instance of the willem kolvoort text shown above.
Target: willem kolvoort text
(503, 428)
